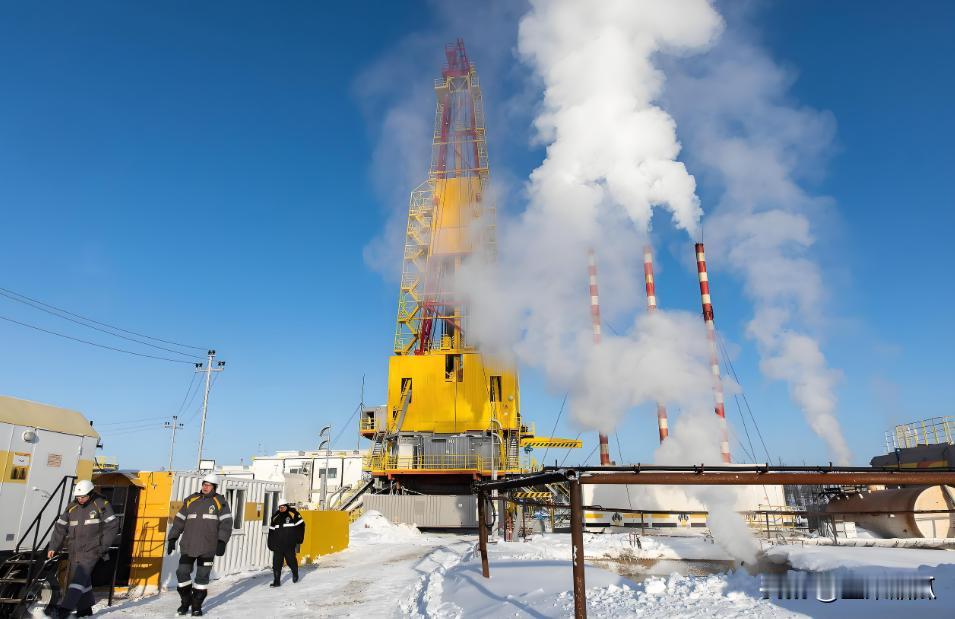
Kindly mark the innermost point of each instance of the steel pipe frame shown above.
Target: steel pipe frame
(708, 478)
(741, 468)
(577, 542)
(693, 476)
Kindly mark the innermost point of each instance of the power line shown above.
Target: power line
(60, 309)
(192, 382)
(344, 427)
(199, 408)
(133, 430)
(561, 412)
(73, 320)
(569, 451)
(132, 421)
(626, 487)
(82, 341)
(745, 400)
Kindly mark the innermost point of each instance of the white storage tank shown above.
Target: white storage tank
(894, 511)
(39, 446)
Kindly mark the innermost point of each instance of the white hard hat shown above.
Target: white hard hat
(282, 501)
(211, 478)
(82, 488)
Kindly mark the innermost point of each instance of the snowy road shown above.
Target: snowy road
(378, 576)
(396, 571)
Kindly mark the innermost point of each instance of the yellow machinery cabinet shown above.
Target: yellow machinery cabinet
(325, 532)
(452, 392)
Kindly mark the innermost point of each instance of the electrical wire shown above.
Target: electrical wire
(133, 430)
(192, 383)
(561, 412)
(745, 401)
(626, 487)
(199, 408)
(73, 320)
(345, 427)
(569, 451)
(60, 309)
(131, 421)
(82, 341)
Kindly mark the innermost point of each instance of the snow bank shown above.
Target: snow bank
(373, 527)
(818, 558)
(616, 547)
(516, 588)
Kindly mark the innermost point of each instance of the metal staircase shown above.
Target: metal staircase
(28, 579)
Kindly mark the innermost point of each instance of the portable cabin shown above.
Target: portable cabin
(43, 449)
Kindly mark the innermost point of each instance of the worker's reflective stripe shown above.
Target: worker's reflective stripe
(111, 518)
(275, 527)
(191, 516)
(200, 587)
(184, 584)
(181, 515)
(209, 517)
(225, 516)
(207, 564)
(62, 522)
(293, 524)
(80, 587)
(92, 521)
(73, 523)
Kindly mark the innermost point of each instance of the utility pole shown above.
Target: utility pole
(324, 435)
(208, 370)
(175, 426)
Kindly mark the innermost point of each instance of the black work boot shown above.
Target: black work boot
(198, 595)
(61, 613)
(84, 612)
(295, 576)
(276, 579)
(185, 595)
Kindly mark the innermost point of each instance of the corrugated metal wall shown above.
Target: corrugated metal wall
(445, 511)
(248, 548)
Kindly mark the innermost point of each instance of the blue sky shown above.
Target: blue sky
(219, 175)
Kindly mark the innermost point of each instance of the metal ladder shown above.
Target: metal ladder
(24, 574)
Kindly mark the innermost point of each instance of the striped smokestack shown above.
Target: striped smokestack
(662, 425)
(711, 340)
(595, 322)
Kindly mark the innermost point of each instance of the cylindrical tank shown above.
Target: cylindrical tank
(895, 511)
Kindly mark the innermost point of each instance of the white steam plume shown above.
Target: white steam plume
(606, 138)
(610, 160)
(748, 137)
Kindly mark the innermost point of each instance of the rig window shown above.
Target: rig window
(495, 388)
(453, 368)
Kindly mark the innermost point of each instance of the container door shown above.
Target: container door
(44, 462)
(14, 484)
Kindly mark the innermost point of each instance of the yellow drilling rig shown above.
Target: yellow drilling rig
(453, 414)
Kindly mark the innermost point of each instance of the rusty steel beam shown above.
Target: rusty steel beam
(577, 548)
(707, 478)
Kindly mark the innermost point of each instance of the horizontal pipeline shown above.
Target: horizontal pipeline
(707, 478)
(736, 468)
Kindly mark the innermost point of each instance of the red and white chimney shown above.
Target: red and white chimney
(711, 340)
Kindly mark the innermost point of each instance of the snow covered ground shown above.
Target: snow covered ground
(397, 571)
